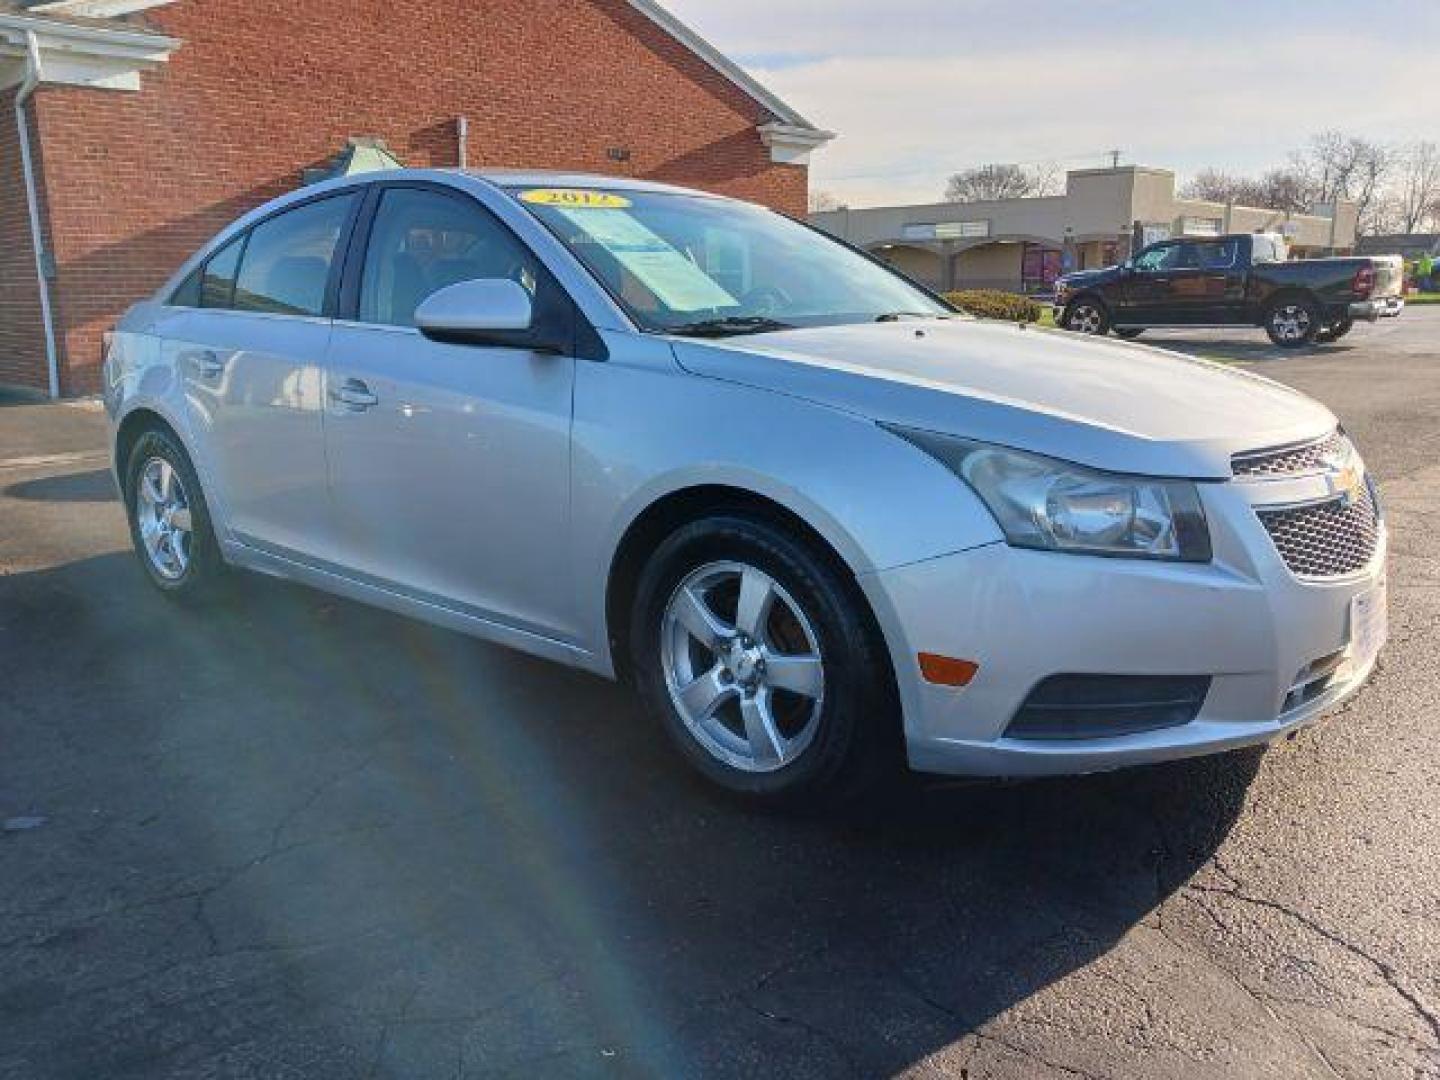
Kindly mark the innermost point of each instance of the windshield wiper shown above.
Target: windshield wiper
(896, 316)
(728, 325)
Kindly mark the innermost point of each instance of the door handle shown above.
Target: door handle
(354, 395)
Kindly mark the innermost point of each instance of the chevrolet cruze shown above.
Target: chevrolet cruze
(818, 519)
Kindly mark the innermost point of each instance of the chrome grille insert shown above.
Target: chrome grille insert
(1294, 460)
(1328, 539)
(1313, 680)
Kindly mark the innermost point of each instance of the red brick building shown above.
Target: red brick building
(152, 123)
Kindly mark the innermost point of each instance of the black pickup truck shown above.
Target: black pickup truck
(1238, 280)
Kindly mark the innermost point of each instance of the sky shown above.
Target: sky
(918, 89)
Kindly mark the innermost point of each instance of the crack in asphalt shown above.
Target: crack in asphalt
(1031, 1055)
(1258, 996)
(1387, 971)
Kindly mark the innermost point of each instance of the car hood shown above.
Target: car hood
(1107, 404)
(1077, 278)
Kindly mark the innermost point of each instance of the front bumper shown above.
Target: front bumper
(1243, 620)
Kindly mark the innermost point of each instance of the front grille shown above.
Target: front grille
(1295, 460)
(1328, 539)
(1100, 706)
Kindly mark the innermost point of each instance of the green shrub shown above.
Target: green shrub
(994, 304)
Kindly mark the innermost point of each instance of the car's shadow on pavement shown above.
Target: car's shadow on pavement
(295, 830)
(93, 486)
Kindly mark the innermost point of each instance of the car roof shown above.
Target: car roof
(512, 178)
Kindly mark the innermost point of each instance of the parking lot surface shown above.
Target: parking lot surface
(294, 837)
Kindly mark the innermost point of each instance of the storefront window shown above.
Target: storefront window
(1039, 267)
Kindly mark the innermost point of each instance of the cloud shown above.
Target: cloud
(920, 88)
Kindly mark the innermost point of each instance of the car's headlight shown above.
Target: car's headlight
(1040, 502)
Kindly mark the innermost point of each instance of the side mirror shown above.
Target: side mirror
(485, 311)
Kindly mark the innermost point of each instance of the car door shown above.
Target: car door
(1222, 273)
(449, 464)
(250, 359)
(1148, 291)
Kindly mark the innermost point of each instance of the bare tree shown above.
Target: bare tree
(1047, 178)
(1339, 166)
(1331, 167)
(1282, 189)
(1277, 189)
(820, 201)
(1415, 199)
(1214, 185)
(988, 182)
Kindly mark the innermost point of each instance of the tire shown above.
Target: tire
(162, 497)
(1086, 315)
(825, 742)
(1292, 322)
(1334, 331)
(1129, 333)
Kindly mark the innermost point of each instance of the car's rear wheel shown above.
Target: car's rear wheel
(1334, 331)
(170, 520)
(1086, 315)
(1129, 333)
(755, 653)
(1292, 322)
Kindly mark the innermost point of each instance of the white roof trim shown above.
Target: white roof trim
(721, 63)
(102, 57)
(97, 9)
(791, 145)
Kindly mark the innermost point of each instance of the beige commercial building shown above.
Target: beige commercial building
(1023, 244)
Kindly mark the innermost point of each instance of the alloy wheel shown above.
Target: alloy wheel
(162, 509)
(742, 663)
(1290, 322)
(1085, 319)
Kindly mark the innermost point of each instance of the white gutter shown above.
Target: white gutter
(32, 200)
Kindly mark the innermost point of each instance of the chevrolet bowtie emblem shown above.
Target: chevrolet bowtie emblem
(1346, 482)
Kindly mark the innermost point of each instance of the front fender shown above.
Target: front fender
(643, 433)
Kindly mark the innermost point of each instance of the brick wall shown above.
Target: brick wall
(22, 337)
(263, 88)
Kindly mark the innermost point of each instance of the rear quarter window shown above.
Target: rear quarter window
(188, 294)
(217, 284)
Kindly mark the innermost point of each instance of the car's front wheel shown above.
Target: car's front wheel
(170, 520)
(757, 656)
(1086, 315)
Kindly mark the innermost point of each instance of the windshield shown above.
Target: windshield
(689, 264)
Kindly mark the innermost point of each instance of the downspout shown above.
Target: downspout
(462, 138)
(32, 200)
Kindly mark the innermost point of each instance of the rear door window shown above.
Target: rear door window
(1217, 254)
(287, 262)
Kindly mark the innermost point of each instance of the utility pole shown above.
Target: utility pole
(1114, 159)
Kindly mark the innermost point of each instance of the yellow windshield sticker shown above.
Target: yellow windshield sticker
(575, 198)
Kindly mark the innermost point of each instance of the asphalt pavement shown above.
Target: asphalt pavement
(296, 837)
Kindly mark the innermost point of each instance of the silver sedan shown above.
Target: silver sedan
(822, 522)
